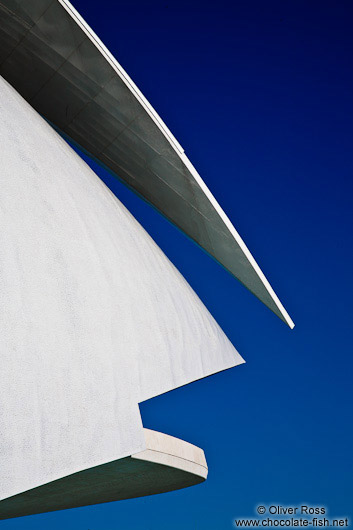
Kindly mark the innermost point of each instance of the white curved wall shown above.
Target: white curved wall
(93, 317)
(55, 60)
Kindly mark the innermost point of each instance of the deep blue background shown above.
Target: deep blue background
(259, 94)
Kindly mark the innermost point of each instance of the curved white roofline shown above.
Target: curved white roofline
(122, 73)
(56, 61)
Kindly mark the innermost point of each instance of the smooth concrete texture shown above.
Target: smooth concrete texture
(54, 59)
(173, 452)
(93, 317)
(167, 464)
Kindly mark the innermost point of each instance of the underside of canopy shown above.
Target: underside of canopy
(167, 464)
(56, 62)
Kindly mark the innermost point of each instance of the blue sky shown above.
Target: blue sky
(259, 94)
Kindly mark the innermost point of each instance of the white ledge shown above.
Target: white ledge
(167, 464)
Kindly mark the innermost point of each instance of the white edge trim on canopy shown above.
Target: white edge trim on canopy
(179, 150)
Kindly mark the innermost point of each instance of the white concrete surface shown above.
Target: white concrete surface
(166, 465)
(170, 451)
(55, 60)
(93, 316)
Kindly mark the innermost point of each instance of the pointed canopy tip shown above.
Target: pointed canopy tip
(280, 310)
(276, 306)
(287, 319)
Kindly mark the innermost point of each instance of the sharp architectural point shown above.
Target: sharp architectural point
(94, 319)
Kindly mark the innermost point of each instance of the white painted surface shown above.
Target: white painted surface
(93, 316)
(167, 464)
(55, 60)
(170, 451)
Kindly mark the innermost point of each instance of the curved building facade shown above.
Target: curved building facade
(53, 58)
(94, 317)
